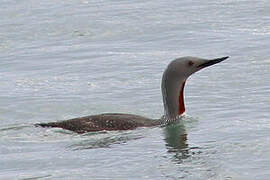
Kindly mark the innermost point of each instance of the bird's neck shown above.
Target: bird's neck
(173, 98)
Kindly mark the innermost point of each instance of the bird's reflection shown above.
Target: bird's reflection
(105, 140)
(176, 141)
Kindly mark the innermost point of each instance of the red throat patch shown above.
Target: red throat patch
(181, 107)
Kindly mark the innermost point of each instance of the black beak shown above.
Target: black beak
(211, 62)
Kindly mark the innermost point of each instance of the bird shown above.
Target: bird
(172, 87)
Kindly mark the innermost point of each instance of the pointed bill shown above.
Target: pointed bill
(212, 62)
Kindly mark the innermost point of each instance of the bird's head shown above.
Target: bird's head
(174, 78)
(185, 66)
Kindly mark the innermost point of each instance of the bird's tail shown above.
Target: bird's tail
(51, 124)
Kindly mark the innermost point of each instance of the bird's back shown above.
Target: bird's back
(108, 121)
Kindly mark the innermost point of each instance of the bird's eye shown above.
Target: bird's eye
(190, 63)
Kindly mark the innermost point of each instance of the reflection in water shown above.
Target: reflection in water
(175, 137)
(104, 140)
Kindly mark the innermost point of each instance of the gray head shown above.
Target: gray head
(173, 82)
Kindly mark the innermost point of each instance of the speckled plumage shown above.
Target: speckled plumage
(108, 121)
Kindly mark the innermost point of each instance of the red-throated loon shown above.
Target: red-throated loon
(172, 86)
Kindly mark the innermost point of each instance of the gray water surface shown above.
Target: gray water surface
(61, 59)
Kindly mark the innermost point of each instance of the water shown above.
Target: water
(68, 58)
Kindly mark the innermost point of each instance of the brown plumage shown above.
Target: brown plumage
(108, 121)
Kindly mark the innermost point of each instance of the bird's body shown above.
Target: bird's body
(100, 122)
(172, 86)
